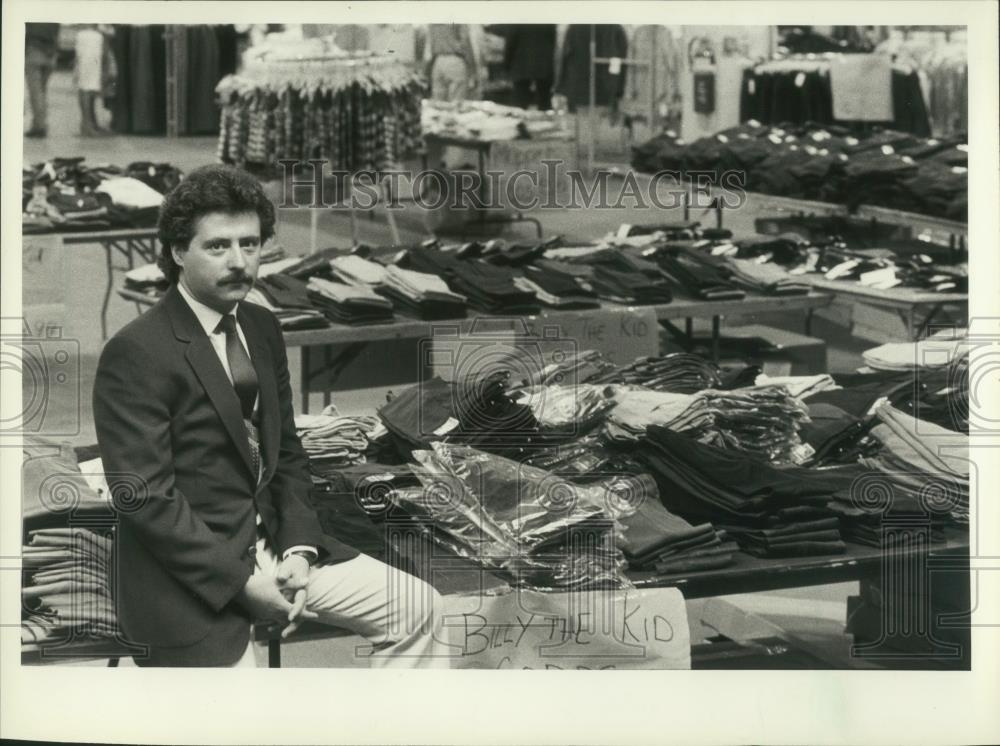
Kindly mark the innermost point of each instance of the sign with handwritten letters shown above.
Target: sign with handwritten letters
(588, 630)
(621, 334)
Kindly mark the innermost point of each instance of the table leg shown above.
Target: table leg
(107, 291)
(305, 360)
(274, 653)
(715, 338)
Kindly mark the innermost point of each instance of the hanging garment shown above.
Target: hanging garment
(574, 81)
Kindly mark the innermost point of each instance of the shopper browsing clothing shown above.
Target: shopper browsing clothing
(89, 65)
(41, 46)
(453, 68)
(193, 410)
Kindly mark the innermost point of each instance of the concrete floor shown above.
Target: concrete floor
(68, 413)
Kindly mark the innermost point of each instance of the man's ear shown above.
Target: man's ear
(178, 255)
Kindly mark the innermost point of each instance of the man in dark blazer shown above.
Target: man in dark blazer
(193, 410)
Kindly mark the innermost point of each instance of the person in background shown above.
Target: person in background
(529, 58)
(454, 73)
(41, 44)
(89, 82)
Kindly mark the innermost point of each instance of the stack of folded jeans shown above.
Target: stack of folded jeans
(760, 420)
(697, 277)
(679, 372)
(348, 304)
(332, 439)
(934, 352)
(488, 287)
(637, 408)
(478, 413)
(584, 366)
(290, 319)
(771, 511)
(316, 264)
(540, 529)
(557, 289)
(422, 295)
(622, 272)
(148, 278)
(578, 460)
(925, 459)
(769, 279)
(355, 270)
(655, 538)
(835, 436)
(66, 592)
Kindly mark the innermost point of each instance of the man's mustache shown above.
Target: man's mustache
(242, 277)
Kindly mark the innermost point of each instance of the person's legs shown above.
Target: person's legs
(37, 69)
(399, 614)
(89, 49)
(522, 93)
(543, 94)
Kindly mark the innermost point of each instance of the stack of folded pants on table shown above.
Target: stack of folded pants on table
(686, 229)
(696, 277)
(579, 459)
(834, 435)
(487, 287)
(479, 413)
(655, 538)
(586, 277)
(557, 289)
(623, 272)
(332, 439)
(355, 270)
(786, 250)
(679, 373)
(290, 319)
(348, 304)
(66, 591)
(316, 264)
(746, 496)
(926, 459)
(422, 295)
(637, 408)
(766, 278)
(515, 255)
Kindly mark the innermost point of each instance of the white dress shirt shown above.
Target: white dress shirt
(209, 319)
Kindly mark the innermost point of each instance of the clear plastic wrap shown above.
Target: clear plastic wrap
(538, 527)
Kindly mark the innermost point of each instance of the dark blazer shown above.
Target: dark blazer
(175, 453)
(530, 51)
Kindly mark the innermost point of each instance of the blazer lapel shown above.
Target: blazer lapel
(270, 410)
(208, 368)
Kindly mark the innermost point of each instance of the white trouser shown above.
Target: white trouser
(391, 609)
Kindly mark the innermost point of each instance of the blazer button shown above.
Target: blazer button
(252, 551)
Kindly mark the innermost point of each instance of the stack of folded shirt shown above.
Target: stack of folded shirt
(636, 409)
(760, 420)
(348, 304)
(655, 538)
(290, 319)
(330, 439)
(66, 592)
(770, 511)
(423, 295)
(679, 372)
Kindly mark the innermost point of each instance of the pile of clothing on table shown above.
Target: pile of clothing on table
(485, 121)
(826, 163)
(66, 589)
(65, 194)
(332, 440)
(716, 264)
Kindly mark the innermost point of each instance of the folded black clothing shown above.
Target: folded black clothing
(678, 372)
(162, 177)
(285, 291)
(517, 255)
(797, 549)
(672, 230)
(430, 309)
(490, 288)
(652, 528)
(696, 563)
(636, 285)
(558, 283)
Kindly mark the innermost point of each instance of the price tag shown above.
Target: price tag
(615, 66)
(800, 80)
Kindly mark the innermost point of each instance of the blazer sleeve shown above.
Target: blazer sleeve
(290, 485)
(132, 417)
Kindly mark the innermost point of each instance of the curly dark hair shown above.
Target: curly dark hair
(207, 190)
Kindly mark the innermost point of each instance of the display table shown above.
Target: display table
(127, 244)
(352, 340)
(916, 308)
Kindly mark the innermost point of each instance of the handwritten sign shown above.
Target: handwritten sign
(592, 630)
(620, 334)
